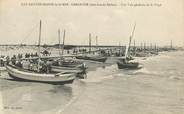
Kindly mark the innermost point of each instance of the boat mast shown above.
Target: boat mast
(59, 39)
(39, 40)
(134, 48)
(120, 49)
(130, 39)
(155, 47)
(89, 42)
(132, 35)
(151, 47)
(63, 42)
(171, 45)
(144, 46)
(97, 42)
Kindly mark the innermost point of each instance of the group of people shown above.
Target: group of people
(27, 55)
(45, 66)
(28, 64)
(41, 66)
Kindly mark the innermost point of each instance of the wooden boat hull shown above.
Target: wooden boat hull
(98, 59)
(130, 65)
(66, 69)
(58, 78)
(70, 64)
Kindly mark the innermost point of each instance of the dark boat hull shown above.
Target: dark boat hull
(68, 64)
(98, 59)
(130, 65)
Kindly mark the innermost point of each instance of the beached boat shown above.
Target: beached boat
(52, 78)
(67, 65)
(19, 73)
(90, 56)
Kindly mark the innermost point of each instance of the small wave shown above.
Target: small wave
(101, 74)
(145, 71)
(158, 57)
(120, 74)
(126, 72)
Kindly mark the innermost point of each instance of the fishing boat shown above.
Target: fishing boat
(122, 64)
(29, 76)
(70, 62)
(21, 74)
(67, 65)
(90, 56)
(125, 63)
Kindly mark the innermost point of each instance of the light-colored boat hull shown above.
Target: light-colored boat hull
(39, 77)
(2, 68)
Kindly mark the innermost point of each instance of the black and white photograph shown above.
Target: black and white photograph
(91, 57)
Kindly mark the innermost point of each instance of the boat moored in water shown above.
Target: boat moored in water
(92, 58)
(122, 64)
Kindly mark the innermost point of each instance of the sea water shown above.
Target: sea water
(157, 88)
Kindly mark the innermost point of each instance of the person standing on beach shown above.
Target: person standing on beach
(7, 60)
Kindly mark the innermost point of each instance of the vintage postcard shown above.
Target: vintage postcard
(91, 56)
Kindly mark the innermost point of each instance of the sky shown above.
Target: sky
(113, 25)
